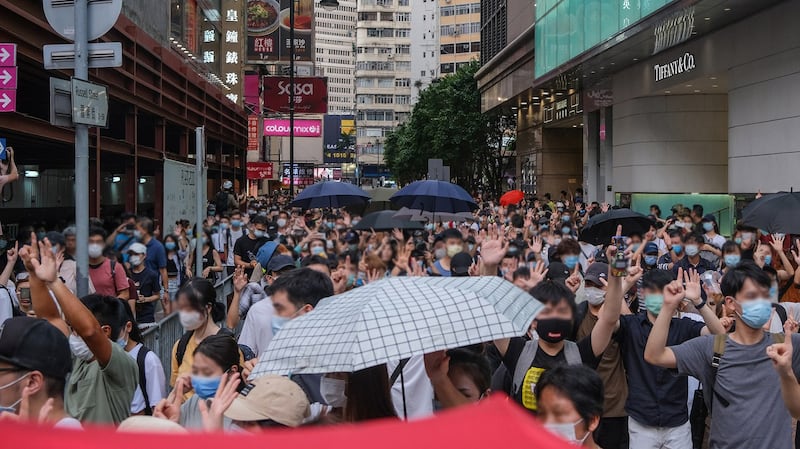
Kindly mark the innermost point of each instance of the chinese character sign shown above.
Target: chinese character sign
(231, 48)
(268, 27)
(252, 133)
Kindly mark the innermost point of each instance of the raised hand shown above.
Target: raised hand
(239, 279)
(170, 408)
(46, 269)
(226, 393)
(538, 274)
(674, 292)
(12, 254)
(437, 364)
(398, 235)
(781, 353)
(691, 280)
(493, 251)
(796, 252)
(536, 245)
(777, 242)
(573, 282)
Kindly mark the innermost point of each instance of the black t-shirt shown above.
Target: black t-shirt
(147, 284)
(542, 362)
(246, 248)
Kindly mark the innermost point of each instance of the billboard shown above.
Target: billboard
(302, 128)
(310, 94)
(179, 192)
(303, 174)
(260, 170)
(268, 30)
(252, 132)
(338, 140)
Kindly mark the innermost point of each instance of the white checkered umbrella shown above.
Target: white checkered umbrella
(397, 318)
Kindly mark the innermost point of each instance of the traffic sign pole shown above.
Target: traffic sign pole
(82, 154)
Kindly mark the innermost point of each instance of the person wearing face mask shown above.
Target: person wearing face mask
(156, 254)
(613, 429)
(731, 256)
(657, 401)
(227, 237)
(568, 251)
(674, 247)
(453, 244)
(105, 277)
(104, 377)
(711, 250)
(294, 294)
(741, 387)
(34, 361)
(692, 243)
(152, 380)
(146, 281)
(211, 261)
(246, 248)
(215, 357)
(67, 271)
(198, 311)
(526, 359)
(571, 401)
(358, 397)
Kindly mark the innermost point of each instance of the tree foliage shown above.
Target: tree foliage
(446, 123)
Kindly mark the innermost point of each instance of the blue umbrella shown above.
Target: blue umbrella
(331, 195)
(434, 196)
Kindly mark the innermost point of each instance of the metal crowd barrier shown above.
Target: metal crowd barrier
(161, 337)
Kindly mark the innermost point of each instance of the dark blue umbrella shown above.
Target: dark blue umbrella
(331, 195)
(434, 196)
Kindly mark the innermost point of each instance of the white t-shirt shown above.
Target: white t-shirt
(156, 381)
(222, 241)
(68, 423)
(418, 389)
(257, 329)
(7, 301)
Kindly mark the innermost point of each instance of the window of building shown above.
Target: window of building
(447, 68)
(402, 16)
(462, 9)
(385, 82)
(402, 82)
(447, 49)
(368, 16)
(402, 2)
(475, 47)
(402, 33)
(365, 82)
(447, 11)
(402, 99)
(402, 49)
(384, 99)
(463, 47)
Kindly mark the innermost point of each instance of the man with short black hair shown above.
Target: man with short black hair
(34, 361)
(156, 254)
(453, 244)
(246, 248)
(741, 389)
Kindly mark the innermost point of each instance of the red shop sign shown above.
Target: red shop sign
(260, 170)
(311, 94)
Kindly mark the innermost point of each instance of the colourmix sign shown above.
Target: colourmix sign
(310, 94)
(302, 128)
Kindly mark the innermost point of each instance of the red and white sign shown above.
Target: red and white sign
(302, 128)
(252, 133)
(310, 94)
(8, 100)
(8, 55)
(260, 170)
(8, 77)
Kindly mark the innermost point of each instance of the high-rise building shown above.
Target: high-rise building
(335, 47)
(460, 34)
(424, 46)
(383, 76)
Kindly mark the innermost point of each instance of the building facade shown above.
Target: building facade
(157, 98)
(383, 77)
(659, 102)
(460, 31)
(424, 46)
(335, 40)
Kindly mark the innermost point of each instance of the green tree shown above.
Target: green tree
(446, 123)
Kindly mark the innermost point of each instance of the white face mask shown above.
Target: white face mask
(95, 250)
(567, 432)
(79, 348)
(135, 260)
(332, 391)
(594, 295)
(13, 407)
(190, 320)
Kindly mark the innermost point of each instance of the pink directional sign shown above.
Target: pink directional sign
(8, 55)
(8, 77)
(8, 100)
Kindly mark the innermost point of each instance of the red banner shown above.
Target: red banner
(252, 133)
(310, 94)
(260, 170)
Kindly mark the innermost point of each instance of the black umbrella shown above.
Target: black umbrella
(384, 221)
(329, 195)
(600, 228)
(775, 213)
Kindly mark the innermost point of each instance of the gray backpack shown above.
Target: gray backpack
(571, 353)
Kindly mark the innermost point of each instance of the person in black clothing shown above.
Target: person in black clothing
(147, 284)
(246, 248)
(691, 246)
(212, 264)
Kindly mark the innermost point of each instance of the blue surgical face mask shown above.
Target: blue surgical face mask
(317, 250)
(692, 250)
(677, 248)
(137, 234)
(3, 243)
(236, 223)
(756, 313)
(223, 226)
(170, 246)
(738, 240)
(731, 260)
(258, 233)
(351, 279)
(635, 246)
(123, 341)
(277, 324)
(205, 387)
(571, 262)
(708, 226)
(650, 260)
(768, 259)
(330, 225)
(566, 230)
(653, 303)
(565, 218)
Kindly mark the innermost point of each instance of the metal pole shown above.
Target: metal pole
(82, 154)
(200, 186)
(291, 99)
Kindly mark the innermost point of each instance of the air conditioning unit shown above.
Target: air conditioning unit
(456, 33)
(391, 56)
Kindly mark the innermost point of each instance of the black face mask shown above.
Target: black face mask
(553, 330)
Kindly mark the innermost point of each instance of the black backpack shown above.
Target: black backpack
(180, 351)
(221, 202)
(143, 351)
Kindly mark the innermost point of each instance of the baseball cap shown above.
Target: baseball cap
(280, 262)
(271, 397)
(557, 271)
(651, 248)
(265, 253)
(137, 248)
(595, 272)
(34, 344)
(460, 263)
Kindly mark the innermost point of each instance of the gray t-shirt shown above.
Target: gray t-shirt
(191, 418)
(756, 416)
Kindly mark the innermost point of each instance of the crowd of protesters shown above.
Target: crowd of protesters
(689, 345)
